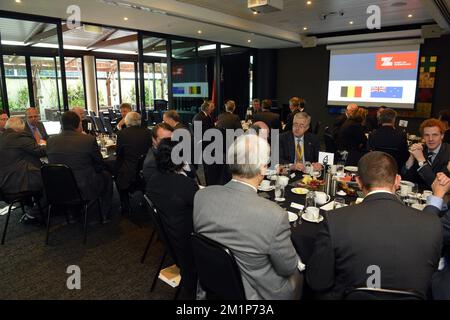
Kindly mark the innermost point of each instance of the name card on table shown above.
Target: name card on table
(326, 157)
(297, 206)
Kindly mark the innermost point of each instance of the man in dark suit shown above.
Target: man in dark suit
(270, 118)
(352, 107)
(34, 127)
(427, 160)
(402, 245)
(172, 118)
(82, 154)
(435, 204)
(254, 109)
(227, 119)
(389, 139)
(373, 119)
(300, 146)
(444, 116)
(205, 116)
(124, 109)
(296, 105)
(20, 161)
(133, 143)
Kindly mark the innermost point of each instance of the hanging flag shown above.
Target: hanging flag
(351, 92)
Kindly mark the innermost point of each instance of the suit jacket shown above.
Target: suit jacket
(290, 120)
(82, 154)
(351, 136)
(338, 124)
(404, 243)
(287, 147)
(445, 219)
(388, 138)
(173, 194)
(41, 128)
(207, 121)
(426, 175)
(270, 118)
(20, 162)
(132, 143)
(258, 235)
(229, 120)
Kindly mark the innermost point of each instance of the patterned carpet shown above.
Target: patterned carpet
(110, 261)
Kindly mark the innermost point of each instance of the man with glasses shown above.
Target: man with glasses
(35, 127)
(299, 146)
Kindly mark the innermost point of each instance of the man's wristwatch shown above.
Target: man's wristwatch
(422, 163)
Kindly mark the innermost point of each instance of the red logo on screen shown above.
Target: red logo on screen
(395, 61)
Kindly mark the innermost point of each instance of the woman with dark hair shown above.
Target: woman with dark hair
(173, 192)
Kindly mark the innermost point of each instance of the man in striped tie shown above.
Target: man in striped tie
(35, 127)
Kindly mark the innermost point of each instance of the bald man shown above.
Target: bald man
(341, 119)
(34, 127)
(84, 122)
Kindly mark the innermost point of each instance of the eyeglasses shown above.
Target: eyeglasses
(296, 125)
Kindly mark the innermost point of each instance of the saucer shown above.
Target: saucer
(292, 216)
(341, 193)
(304, 217)
(351, 168)
(299, 190)
(270, 188)
(280, 199)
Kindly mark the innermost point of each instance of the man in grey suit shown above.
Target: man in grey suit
(34, 127)
(255, 229)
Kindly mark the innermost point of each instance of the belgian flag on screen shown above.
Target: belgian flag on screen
(195, 90)
(351, 92)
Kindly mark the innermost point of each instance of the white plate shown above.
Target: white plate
(304, 217)
(266, 189)
(407, 183)
(341, 193)
(351, 168)
(292, 216)
(299, 190)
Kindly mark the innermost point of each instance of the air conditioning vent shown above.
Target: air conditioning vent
(265, 6)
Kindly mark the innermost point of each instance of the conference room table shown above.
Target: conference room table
(303, 233)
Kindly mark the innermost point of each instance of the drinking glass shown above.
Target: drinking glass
(310, 200)
(279, 192)
(340, 169)
(308, 167)
(338, 203)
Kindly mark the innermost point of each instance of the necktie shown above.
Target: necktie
(299, 150)
(430, 158)
(36, 135)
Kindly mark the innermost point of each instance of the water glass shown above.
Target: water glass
(340, 169)
(279, 192)
(310, 200)
(308, 167)
(338, 203)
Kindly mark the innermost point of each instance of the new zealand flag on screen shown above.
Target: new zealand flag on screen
(386, 92)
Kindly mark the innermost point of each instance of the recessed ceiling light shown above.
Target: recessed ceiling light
(18, 1)
(255, 12)
(351, 22)
(199, 31)
(308, 3)
(249, 41)
(305, 28)
(125, 18)
(410, 15)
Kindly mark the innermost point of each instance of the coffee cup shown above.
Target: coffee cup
(312, 213)
(265, 184)
(321, 197)
(427, 193)
(405, 189)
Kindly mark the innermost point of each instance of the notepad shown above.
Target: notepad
(297, 206)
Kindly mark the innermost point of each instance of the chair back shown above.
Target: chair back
(99, 125)
(108, 126)
(381, 294)
(160, 229)
(92, 122)
(218, 272)
(60, 185)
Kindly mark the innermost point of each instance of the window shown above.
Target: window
(107, 84)
(75, 86)
(16, 83)
(44, 86)
(127, 82)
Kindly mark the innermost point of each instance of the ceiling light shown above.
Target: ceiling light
(199, 31)
(309, 3)
(255, 12)
(351, 22)
(410, 15)
(305, 28)
(125, 18)
(18, 1)
(249, 41)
